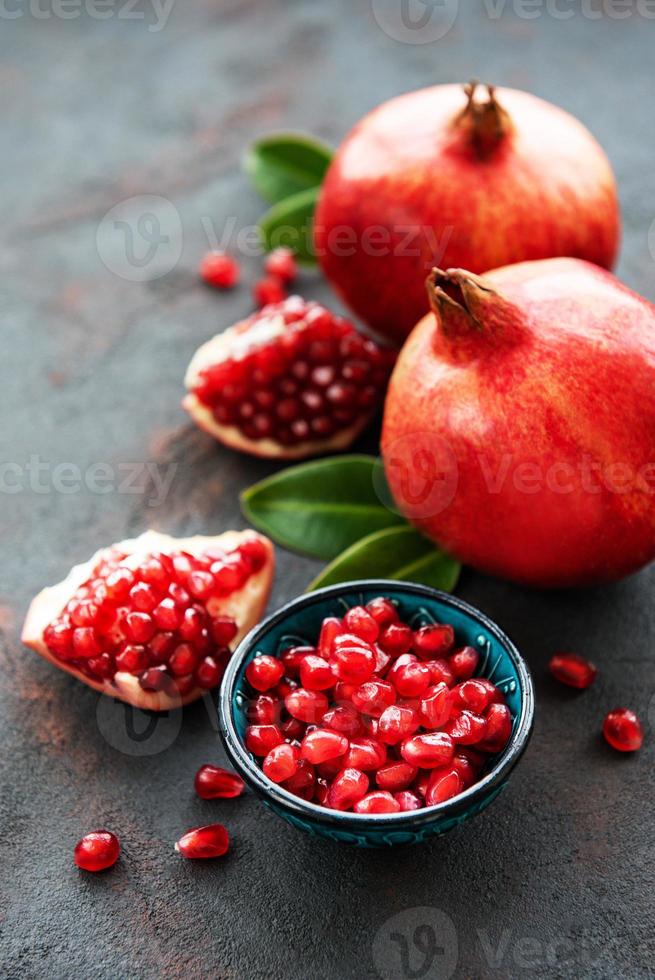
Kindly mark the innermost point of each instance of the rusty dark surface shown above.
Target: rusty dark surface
(556, 878)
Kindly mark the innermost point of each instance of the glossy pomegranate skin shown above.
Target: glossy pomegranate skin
(551, 365)
(413, 190)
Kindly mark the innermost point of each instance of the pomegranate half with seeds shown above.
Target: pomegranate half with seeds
(151, 620)
(292, 381)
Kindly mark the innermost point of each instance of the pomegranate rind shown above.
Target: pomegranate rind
(225, 346)
(246, 606)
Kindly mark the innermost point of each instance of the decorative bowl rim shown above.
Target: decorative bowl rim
(300, 808)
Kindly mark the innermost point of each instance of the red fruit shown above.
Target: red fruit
(268, 291)
(132, 623)
(442, 672)
(383, 611)
(303, 781)
(506, 160)
(435, 706)
(293, 657)
(407, 800)
(464, 663)
(578, 516)
(353, 660)
(377, 802)
(396, 776)
(498, 722)
(467, 728)
(292, 381)
(219, 270)
(316, 674)
(443, 785)
(467, 771)
(214, 783)
(396, 723)
(265, 710)
(473, 694)
(330, 629)
(97, 851)
(292, 729)
(204, 842)
(281, 264)
(323, 745)
(260, 739)
(373, 697)
(429, 750)
(307, 706)
(347, 789)
(396, 639)
(264, 672)
(360, 622)
(572, 670)
(623, 730)
(432, 642)
(344, 719)
(411, 678)
(281, 762)
(365, 754)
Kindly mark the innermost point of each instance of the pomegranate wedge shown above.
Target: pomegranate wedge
(151, 620)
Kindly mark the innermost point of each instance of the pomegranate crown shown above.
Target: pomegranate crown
(466, 305)
(485, 121)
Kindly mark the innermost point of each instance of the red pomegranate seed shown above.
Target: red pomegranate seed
(472, 694)
(396, 723)
(420, 786)
(440, 672)
(140, 627)
(97, 851)
(396, 776)
(214, 783)
(623, 730)
(443, 785)
(260, 739)
(347, 789)
(303, 782)
(201, 843)
(281, 762)
(307, 706)
(323, 745)
(85, 643)
(223, 630)
(353, 660)
(344, 719)
(365, 754)
(383, 611)
(321, 791)
(464, 663)
(292, 729)
(407, 800)
(184, 660)
(498, 721)
(359, 622)
(292, 658)
(373, 697)
(572, 670)
(281, 264)
(435, 706)
(396, 639)
(316, 673)
(132, 659)
(264, 672)
(329, 631)
(429, 750)
(431, 642)
(467, 728)
(330, 768)
(377, 802)
(467, 771)
(219, 270)
(268, 291)
(167, 615)
(209, 673)
(265, 710)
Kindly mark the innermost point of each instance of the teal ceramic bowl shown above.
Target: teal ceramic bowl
(298, 624)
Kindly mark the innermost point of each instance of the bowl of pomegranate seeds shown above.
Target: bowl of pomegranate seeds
(377, 712)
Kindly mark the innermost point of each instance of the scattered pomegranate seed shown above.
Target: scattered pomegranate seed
(201, 843)
(572, 670)
(623, 730)
(214, 783)
(97, 851)
(281, 264)
(268, 291)
(219, 270)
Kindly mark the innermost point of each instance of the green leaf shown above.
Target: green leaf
(283, 164)
(290, 223)
(395, 553)
(319, 508)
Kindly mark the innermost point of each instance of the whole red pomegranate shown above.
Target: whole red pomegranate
(519, 427)
(151, 620)
(449, 176)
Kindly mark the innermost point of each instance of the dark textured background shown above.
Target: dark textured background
(556, 879)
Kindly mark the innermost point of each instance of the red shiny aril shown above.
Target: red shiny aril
(132, 659)
(303, 781)
(268, 291)
(292, 729)
(407, 800)
(365, 754)
(464, 663)
(370, 726)
(329, 631)
(281, 762)
(264, 672)
(158, 679)
(85, 643)
(495, 695)
(97, 851)
(223, 630)
(321, 790)
(292, 658)
(396, 723)
(307, 706)
(573, 670)
(467, 728)
(202, 843)
(373, 697)
(395, 776)
(264, 710)
(215, 783)
(411, 680)
(316, 673)
(281, 264)
(323, 745)
(396, 639)
(343, 719)
(184, 660)
(420, 786)
(467, 771)
(330, 768)
(210, 671)
(353, 660)
(286, 686)
(167, 615)
(435, 706)
(498, 728)
(219, 270)
(378, 801)
(473, 694)
(343, 692)
(383, 611)
(431, 642)
(347, 789)
(623, 730)
(429, 750)
(359, 622)
(260, 739)
(443, 785)
(440, 672)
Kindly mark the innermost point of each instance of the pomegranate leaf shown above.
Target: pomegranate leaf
(283, 164)
(319, 508)
(290, 223)
(395, 553)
